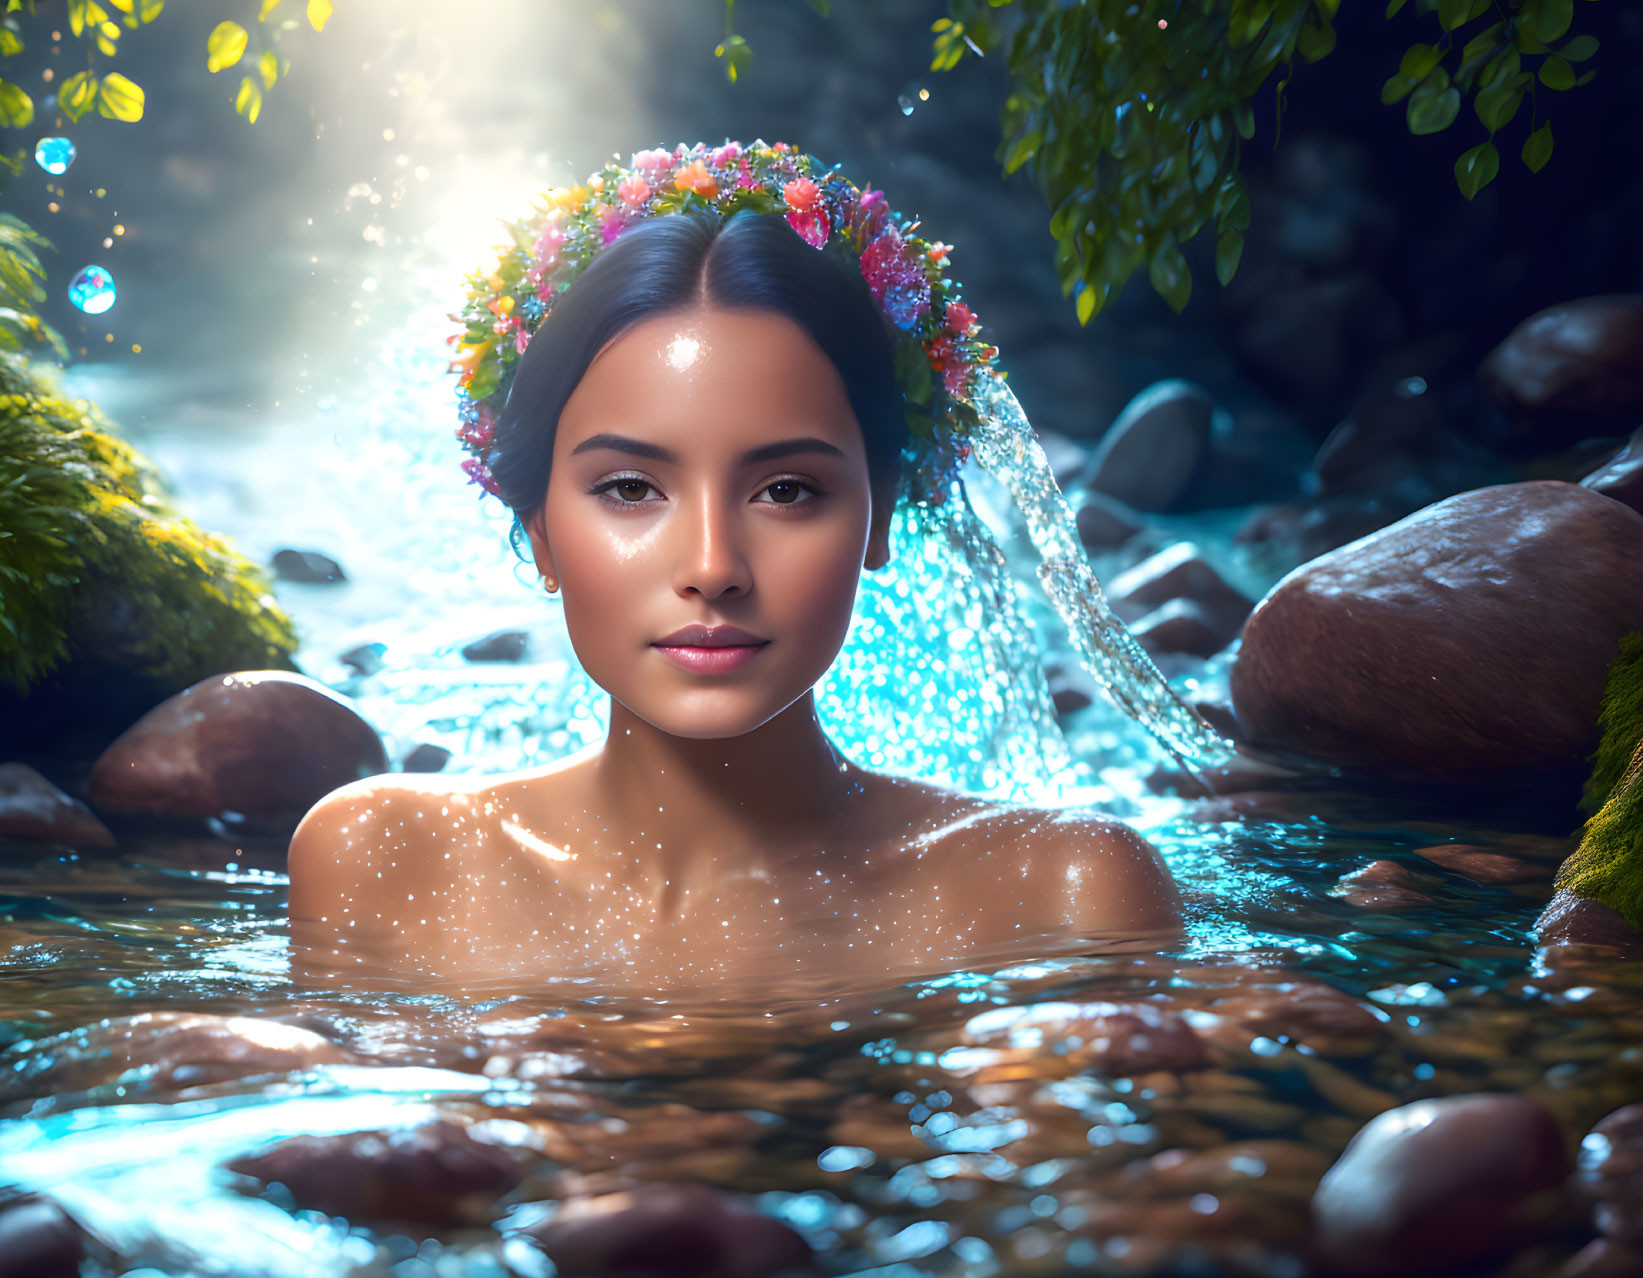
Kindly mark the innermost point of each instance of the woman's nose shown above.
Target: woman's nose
(711, 557)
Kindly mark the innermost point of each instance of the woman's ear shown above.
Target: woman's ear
(878, 532)
(536, 530)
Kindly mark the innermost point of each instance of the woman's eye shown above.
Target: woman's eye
(628, 490)
(789, 492)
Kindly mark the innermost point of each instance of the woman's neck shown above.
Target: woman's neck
(726, 805)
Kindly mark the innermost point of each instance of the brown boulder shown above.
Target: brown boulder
(261, 746)
(668, 1231)
(1574, 920)
(1440, 1185)
(1468, 641)
(1582, 358)
(33, 808)
(436, 1174)
(1156, 447)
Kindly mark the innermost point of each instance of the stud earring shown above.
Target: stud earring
(550, 584)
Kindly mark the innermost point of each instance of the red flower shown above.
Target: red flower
(813, 227)
(960, 319)
(479, 473)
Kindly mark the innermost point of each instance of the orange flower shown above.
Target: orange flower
(471, 356)
(801, 194)
(938, 251)
(695, 177)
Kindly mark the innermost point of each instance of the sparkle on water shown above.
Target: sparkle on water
(54, 155)
(92, 290)
(932, 1165)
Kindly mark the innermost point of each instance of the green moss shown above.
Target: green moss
(1608, 864)
(83, 522)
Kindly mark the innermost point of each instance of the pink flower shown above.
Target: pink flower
(479, 473)
(477, 433)
(897, 282)
(813, 227)
(960, 319)
(633, 191)
(872, 211)
(726, 155)
(549, 243)
(521, 340)
(611, 227)
(653, 164)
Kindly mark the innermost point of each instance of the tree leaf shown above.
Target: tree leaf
(1022, 150)
(77, 16)
(16, 107)
(1551, 18)
(1229, 248)
(267, 7)
(269, 65)
(10, 42)
(150, 9)
(1580, 48)
(1476, 168)
(1418, 61)
(120, 98)
(1431, 110)
(1393, 6)
(1537, 148)
(319, 13)
(1085, 304)
(1555, 73)
(1496, 105)
(820, 6)
(1316, 43)
(77, 94)
(1170, 275)
(1453, 13)
(248, 101)
(225, 45)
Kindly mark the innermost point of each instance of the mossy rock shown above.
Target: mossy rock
(1608, 864)
(102, 582)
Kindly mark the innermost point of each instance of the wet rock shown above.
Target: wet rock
(365, 659)
(1179, 572)
(1302, 533)
(160, 1051)
(1380, 885)
(307, 566)
(1439, 1185)
(1105, 523)
(499, 645)
(33, 809)
(437, 1174)
(1118, 1039)
(1317, 1016)
(1372, 448)
(425, 758)
(1573, 920)
(1609, 1176)
(1372, 657)
(1482, 866)
(1180, 626)
(1580, 359)
(261, 745)
(1153, 451)
(1622, 476)
(38, 1239)
(668, 1231)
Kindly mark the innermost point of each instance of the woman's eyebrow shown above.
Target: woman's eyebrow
(655, 452)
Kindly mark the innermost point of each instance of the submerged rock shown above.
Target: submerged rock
(1119, 1039)
(161, 1051)
(1104, 522)
(668, 1231)
(1434, 1187)
(499, 645)
(1156, 447)
(1582, 358)
(1609, 1176)
(1381, 885)
(260, 746)
(32, 808)
(1468, 641)
(1574, 920)
(307, 566)
(38, 1239)
(437, 1174)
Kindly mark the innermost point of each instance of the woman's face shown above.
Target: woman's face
(708, 471)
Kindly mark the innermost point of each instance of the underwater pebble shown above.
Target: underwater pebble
(265, 745)
(307, 566)
(668, 1231)
(1180, 572)
(32, 809)
(1380, 885)
(425, 758)
(1180, 626)
(436, 1174)
(1116, 1038)
(156, 1051)
(499, 645)
(1435, 1186)
(1483, 866)
(38, 1239)
(365, 659)
(1573, 920)
(1104, 522)
(1609, 1175)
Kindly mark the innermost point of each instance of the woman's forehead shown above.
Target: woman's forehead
(751, 375)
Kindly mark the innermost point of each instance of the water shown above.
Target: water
(968, 1123)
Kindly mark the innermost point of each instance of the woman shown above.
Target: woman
(703, 443)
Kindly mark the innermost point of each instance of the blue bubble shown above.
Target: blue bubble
(92, 290)
(54, 155)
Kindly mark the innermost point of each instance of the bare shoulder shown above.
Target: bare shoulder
(358, 830)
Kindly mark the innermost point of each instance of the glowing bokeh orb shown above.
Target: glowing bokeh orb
(92, 290)
(54, 155)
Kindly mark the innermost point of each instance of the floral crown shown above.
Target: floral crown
(940, 361)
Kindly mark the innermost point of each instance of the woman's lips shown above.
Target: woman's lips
(720, 660)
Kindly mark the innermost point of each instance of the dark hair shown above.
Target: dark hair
(748, 261)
